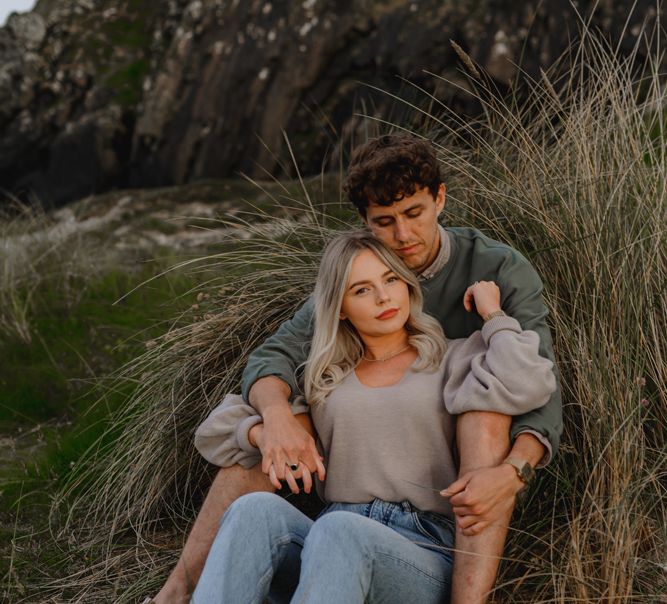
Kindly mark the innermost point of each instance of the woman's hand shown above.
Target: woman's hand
(486, 298)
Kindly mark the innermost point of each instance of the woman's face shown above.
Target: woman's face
(376, 301)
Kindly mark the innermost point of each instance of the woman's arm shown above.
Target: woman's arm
(498, 369)
(222, 437)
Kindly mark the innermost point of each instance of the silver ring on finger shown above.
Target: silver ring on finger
(293, 466)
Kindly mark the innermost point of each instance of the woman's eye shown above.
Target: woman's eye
(392, 279)
(361, 290)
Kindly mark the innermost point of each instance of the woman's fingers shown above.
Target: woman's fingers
(321, 471)
(482, 296)
(467, 299)
(291, 481)
(307, 481)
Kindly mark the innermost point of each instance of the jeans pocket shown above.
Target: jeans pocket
(438, 529)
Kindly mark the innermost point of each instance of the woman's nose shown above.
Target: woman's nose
(382, 295)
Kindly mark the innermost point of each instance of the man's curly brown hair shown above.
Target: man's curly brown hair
(390, 167)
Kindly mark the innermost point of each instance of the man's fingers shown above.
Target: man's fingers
(474, 529)
(462, 510)
(462, 498)
(456, 487)
(280, 464)
(273, 478)
(465, 522)
(266, 464)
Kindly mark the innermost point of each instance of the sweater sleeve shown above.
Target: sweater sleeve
(222, 438)
(283, 352)
(498, 369)
(522, 299)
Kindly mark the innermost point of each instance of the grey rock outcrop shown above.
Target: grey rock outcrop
(28, 29)
(97, 94)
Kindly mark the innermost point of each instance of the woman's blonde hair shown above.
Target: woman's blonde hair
(336, 347)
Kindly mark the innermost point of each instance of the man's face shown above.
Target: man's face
(409, 226)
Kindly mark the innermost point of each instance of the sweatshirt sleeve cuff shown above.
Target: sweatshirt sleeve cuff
(499, 324)
(242, 432)
(546, 458)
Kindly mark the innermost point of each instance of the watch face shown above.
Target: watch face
(527, 473)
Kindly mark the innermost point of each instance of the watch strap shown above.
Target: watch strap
(524, 470)
(492, 315)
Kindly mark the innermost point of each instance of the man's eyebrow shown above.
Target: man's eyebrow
(357, 283)
(417, 205)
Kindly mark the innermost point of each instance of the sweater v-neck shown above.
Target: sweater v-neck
(397, 383)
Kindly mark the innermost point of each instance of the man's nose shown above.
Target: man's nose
(401, 231)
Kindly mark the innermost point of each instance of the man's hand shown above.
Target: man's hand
(480, 497)
(285, 439)
(255, 437)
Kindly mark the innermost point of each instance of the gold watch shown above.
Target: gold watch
(492, 315)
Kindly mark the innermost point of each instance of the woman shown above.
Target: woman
(377, 376)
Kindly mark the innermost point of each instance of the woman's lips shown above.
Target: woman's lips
(387, 314)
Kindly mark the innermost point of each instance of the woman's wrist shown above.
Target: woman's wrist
(498, 312)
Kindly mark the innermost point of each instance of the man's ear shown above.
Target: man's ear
(440, 198)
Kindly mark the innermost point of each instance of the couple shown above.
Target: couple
(382, 397)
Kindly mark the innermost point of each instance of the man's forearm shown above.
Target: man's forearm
(285, 440)
(270, 396)
(527, 448)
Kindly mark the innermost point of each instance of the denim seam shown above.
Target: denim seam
(420, 571)
(270, 572)
(423, 531)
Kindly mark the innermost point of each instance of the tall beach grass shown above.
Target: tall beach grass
(573, 176)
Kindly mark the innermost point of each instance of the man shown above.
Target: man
(395, 184)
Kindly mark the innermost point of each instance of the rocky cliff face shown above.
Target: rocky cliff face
(97, 94)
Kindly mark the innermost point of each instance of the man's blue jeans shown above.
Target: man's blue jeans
(353, 553)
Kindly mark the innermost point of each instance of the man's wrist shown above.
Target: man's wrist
(528, 447)
(269, 392)
(523, 469)
(512, 477)
(276, 411)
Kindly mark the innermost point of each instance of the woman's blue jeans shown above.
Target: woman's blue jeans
(266, 549)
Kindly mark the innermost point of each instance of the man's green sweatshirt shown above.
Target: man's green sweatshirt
(473, 257)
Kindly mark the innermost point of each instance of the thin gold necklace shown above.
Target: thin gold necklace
(391, 356)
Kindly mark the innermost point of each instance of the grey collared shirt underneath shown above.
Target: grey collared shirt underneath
(441, 259)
